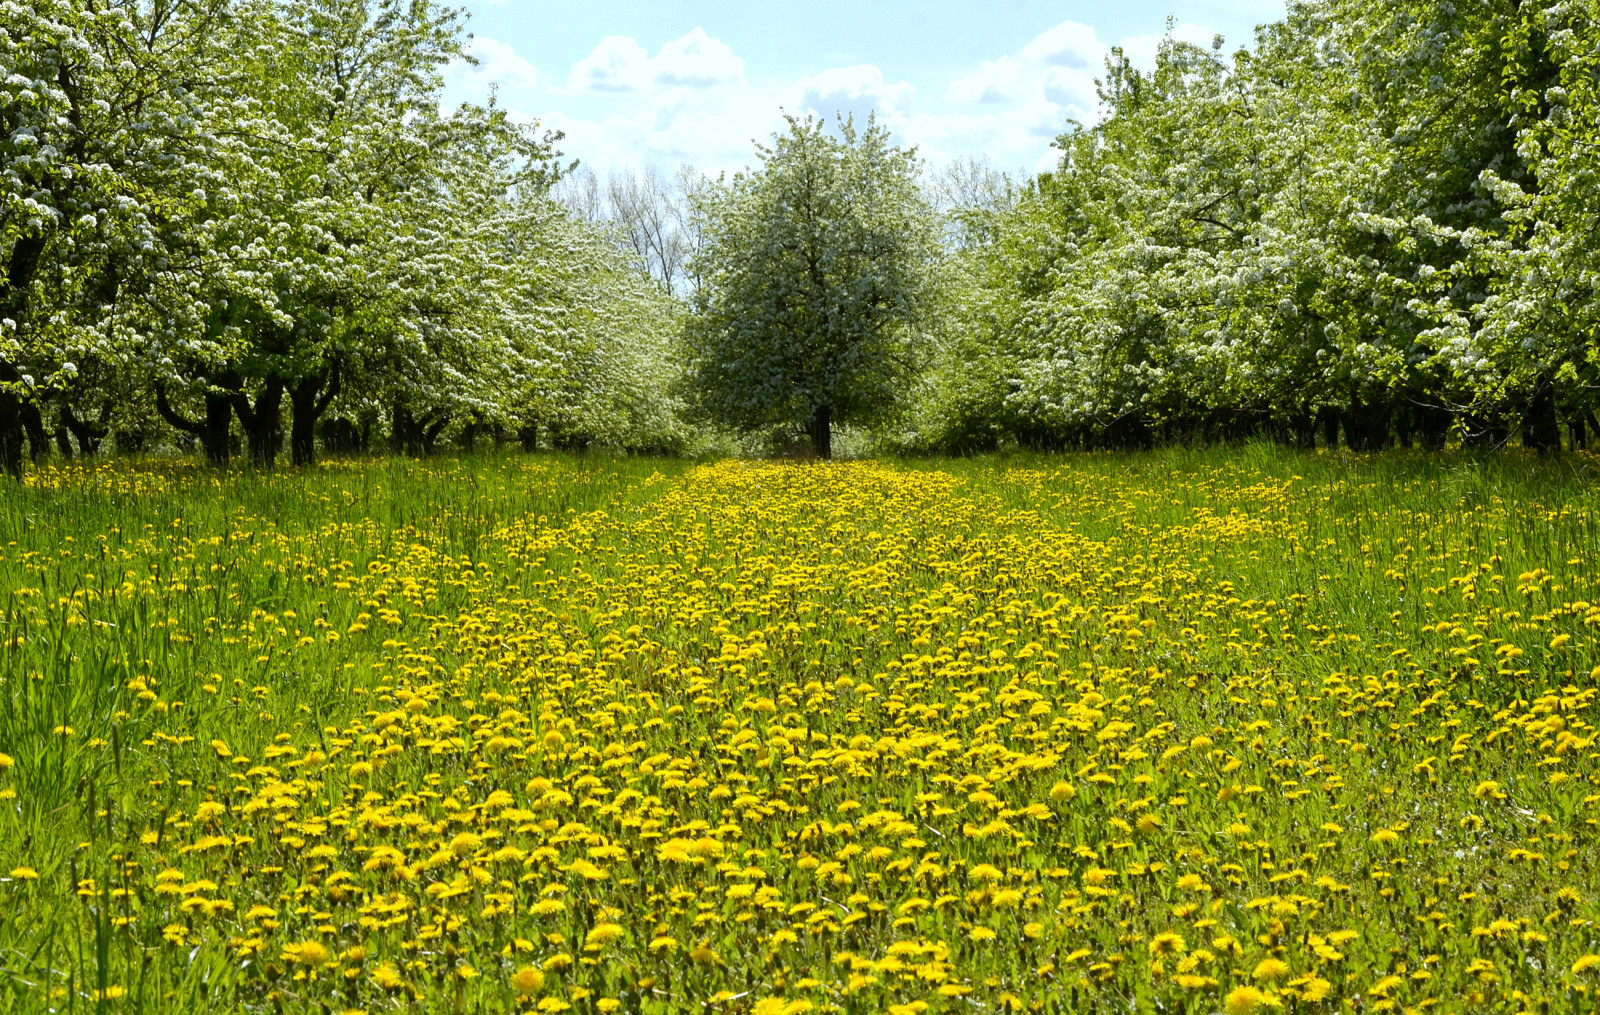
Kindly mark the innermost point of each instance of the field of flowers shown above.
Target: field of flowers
(1188, 732)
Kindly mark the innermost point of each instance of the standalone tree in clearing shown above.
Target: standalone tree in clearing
(815, 278)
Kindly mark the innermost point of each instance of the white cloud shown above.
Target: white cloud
(1069, 44)
(1004, 80)
(497, 64)
(694, 100)
(616, 64)
(619, 64)
(857, 91)
(697, 60)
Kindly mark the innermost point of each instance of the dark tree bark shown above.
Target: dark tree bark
(1432, 423)
(432, 430)
(412, 436)
(33, 426)
(20, 269)
(1367, 425)
(1329, 417)
(1541, 430)
(308, 400)
(529, 436)
(88, 434)
(401, 426)
(261, 421)
(11, 438)
(821, 432)
(212, 430)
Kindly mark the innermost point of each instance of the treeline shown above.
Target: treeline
(1380, 224)
(248, 226)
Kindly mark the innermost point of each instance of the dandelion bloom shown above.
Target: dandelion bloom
(1167, 943)
(604, 934)
(387, 977)
(1268, 970)
(306, 953)
(1243, 1000)
(528, 981)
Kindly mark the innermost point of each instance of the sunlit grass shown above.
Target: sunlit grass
(1191, 731)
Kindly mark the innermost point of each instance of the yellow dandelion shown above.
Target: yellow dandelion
(1585, 963)
(24, 873)
(603, 934)
(1167, 943)
(1269, 970)
(306, 953)
(387, 977)
(527, 981)
(1245, 999)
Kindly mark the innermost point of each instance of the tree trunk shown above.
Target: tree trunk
(38, 437)
(1367, 425)
(261, 421)
(401, 426)
(89, 435)
(821, 432)
(529, 436)
(1433, 423)
(1541, 430)
(430, 432)
(308, 401)
(212, 431)
(1329, 417)
(11, 438)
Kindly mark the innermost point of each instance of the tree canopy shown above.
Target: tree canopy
(1377, 222)
(816, 271)
(251, 226)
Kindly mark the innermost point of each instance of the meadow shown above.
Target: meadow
(1193, 731)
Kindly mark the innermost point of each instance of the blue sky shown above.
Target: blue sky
(669, 82)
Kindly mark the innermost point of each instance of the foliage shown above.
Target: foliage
(1193, 731)
(1372, 222)
(240, 210)
(815, 279)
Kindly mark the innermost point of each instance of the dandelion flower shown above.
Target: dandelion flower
(1167, 943)
(528, 981)
(387, 977)
(1245, 999)
(306, 953)
(1268, 970)
(604, 934)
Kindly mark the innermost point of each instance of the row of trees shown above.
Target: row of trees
(250, 221)
(218, 213)
(1379, 223)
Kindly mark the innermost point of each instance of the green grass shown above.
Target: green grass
(362, 632)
